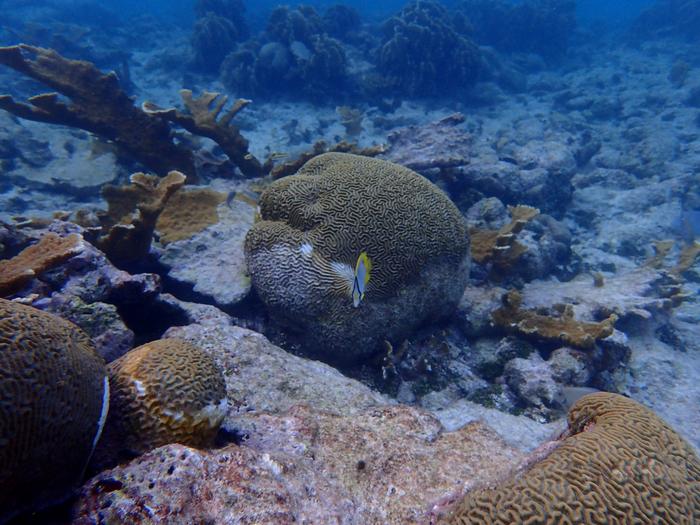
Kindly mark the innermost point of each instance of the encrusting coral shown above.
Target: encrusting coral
(314, 226)
(560, 328)
(50, 251)
(54, 393)
(166, 391)
(187, 212)
(618, 463)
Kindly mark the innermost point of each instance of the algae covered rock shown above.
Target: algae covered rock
(53, 401)
(315, 224)
(164, 391)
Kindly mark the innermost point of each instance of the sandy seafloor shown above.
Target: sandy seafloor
(633, 191)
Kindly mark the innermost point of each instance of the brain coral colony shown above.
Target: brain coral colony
(54, 402)
(162, 392)
(617, 464)
(305, 254)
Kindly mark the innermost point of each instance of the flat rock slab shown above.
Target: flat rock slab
(212, 262)
(384, 465)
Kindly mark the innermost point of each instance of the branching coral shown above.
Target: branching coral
(50, 251)
(500, 247)
(128, 225)
(617, 463)
(100, 106)
(560, 328)
(97, 104)
(203, 118)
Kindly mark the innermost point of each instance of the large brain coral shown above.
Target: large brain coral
(620, 464)
(302, 255)
(165, 391)
(53, 401)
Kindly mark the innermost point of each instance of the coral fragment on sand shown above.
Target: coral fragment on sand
(561, 328)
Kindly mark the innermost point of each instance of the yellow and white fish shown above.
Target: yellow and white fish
(339, 276)
(363, 270)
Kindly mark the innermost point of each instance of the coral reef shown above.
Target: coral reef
(533, 26)
(633, 467)
(166, 391)
(50, 251)
(422, 52)
(54, 401)
(294, 57)
(97, 104)
(314, 226)
(341, 21)
(220, 25)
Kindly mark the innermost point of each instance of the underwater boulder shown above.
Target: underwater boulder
(343, 217)
(53, 403)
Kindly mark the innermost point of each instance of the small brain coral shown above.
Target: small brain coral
(619, 464)
(165, 391)
(53, 401)
(315, 224)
